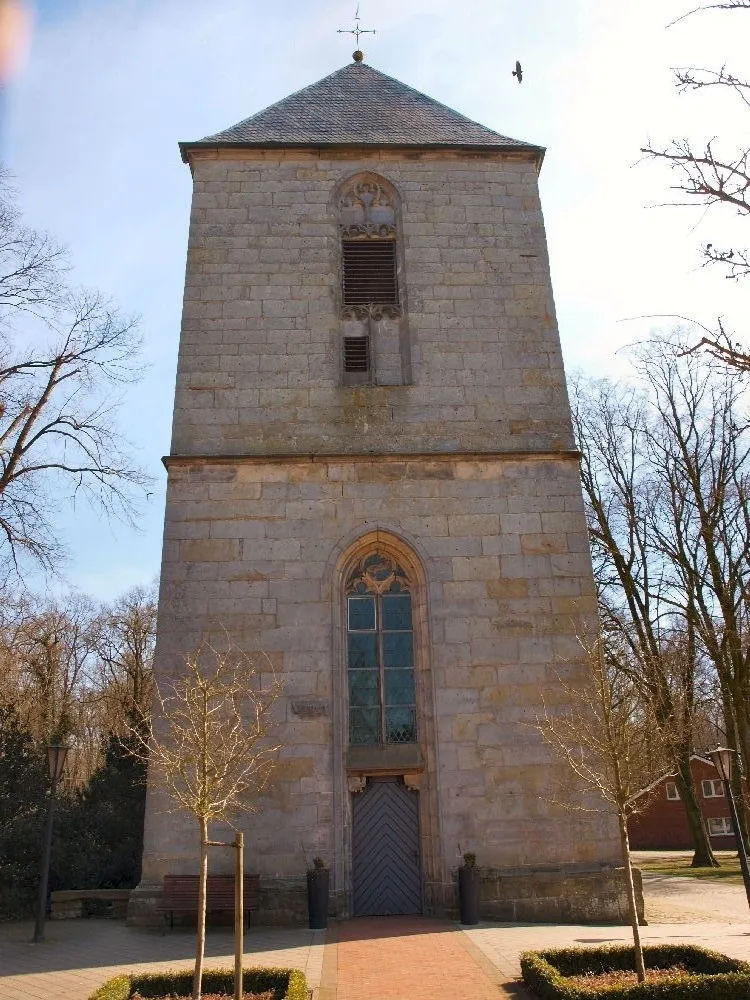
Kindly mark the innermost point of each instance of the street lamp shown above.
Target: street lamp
(56, 755)
(723, 758)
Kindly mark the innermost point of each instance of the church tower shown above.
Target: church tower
(373, 480)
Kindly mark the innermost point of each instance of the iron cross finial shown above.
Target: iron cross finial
(356, 30)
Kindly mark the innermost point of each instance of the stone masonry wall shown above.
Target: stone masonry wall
(277, 470)
(252, 546)
(259, 365)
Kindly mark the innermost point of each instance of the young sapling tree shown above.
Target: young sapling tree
(210, 747)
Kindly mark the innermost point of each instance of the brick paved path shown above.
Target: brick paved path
(377, 959)
(406, 958)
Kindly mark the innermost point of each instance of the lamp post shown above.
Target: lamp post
(722, 758)
(56, 755)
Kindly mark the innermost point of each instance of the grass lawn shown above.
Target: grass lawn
(672, 864)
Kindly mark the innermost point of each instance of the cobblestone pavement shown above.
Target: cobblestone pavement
(380, 958)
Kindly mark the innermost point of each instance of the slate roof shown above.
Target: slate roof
(359, 105)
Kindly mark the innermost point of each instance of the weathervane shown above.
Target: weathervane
(356, 31)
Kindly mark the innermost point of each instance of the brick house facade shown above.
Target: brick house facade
(663, 824)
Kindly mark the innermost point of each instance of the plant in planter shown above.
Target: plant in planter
(672, 972)
(173, 984)
(318, 878)
(469, 886)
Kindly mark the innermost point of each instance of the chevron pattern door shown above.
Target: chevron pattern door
(385, 848)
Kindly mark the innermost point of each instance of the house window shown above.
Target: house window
(719, 827)
(672, 791)
(380, 654)
(713, 788)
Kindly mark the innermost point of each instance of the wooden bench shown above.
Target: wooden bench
(181, 895)
(65, 903)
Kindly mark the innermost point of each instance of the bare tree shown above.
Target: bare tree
(64, 356)
(123, 637)
(605, 736)
(634, 580)
(700, 449)
(672, 539)
(209, 746)
(72, 667)
(50, 648)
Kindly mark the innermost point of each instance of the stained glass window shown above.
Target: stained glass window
(380, 654)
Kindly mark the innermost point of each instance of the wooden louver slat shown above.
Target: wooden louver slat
(356, 354)
(369, 272)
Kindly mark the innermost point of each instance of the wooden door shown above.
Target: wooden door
(385, 847)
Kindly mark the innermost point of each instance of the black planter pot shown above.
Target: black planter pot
(317, 898)
(469, 885)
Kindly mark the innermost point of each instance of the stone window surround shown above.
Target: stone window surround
(376, 590)
(377, 318)
(351, 769)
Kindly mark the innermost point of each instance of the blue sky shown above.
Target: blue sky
(109, 87)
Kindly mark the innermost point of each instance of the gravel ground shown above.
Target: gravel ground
(686, 900)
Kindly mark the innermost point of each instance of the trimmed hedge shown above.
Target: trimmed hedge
(114, 989)
(287, 984)
(710, 976)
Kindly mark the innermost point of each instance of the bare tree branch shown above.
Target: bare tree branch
(726, 5)
(706, 177)
(692, 78)
(63, 356)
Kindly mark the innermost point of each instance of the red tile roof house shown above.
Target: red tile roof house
(663, 823)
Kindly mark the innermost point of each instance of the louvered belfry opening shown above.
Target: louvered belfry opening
(356, 354)
(369, 273)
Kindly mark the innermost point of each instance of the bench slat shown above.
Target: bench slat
(181, 893)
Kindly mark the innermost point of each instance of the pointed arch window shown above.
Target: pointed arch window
(375, 348)
(380, 654)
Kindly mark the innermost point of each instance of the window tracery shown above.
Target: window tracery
(380, 653)
(367, 209)
(374, 349)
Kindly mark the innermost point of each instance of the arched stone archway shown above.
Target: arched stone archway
(414, 765)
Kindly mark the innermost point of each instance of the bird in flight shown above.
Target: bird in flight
(518, 72)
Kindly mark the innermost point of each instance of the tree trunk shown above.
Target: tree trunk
(200, 944)
(703, 856)
(640, 967)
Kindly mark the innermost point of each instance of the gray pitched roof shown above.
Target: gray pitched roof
(359, 105)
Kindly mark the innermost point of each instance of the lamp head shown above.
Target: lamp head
(722, 758)
(56, 756)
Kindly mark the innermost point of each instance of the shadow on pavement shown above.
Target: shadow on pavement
(92, 943)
